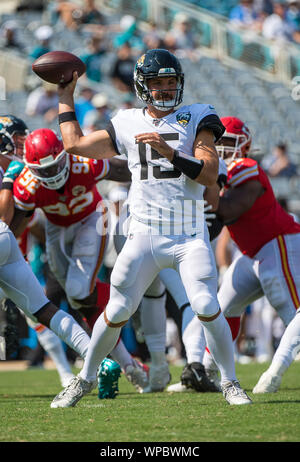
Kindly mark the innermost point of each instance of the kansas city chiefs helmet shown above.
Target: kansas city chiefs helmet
(158, 63)
(46, 158)
(236, 140)
(12, 136)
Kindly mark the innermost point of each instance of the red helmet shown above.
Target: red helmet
(46, 158)
(236, 140)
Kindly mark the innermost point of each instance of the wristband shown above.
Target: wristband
(13, 171)
(66, 117)
(188, 165)
(7, 185)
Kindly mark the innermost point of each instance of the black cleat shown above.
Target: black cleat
(194, 376)
(10, 328)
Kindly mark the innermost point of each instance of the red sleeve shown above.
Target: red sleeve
(99, 168)
(241, 171)
(24, 191)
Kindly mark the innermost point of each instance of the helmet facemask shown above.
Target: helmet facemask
(231, 146)
(164, 104)
(52, 172)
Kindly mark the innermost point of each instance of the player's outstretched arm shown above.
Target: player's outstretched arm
(237, 201)
(96, 145)
(19, 222)
(7, 206)
(118, 171)
(7, 203)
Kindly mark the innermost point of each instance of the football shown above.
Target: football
(58, 67)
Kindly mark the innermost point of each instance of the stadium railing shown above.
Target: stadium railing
(217, 37)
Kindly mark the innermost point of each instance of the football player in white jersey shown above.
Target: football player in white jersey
(172, 158)
(288, 349)
(17, 280)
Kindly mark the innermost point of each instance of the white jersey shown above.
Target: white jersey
(161, 196)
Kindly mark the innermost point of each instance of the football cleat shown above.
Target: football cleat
(11, 332)
(178, 388)
(234, 394)
(65, 379)
(213, 376)
(138, 374)
(159, 377)
(108, 379)
(193, 376)
(268, 383)
(70, 396)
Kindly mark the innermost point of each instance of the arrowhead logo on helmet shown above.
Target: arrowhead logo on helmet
(46, 158)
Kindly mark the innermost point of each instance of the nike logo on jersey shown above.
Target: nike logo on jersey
(21, 191)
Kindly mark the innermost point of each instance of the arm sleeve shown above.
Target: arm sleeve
(212, 122)
(112, 133)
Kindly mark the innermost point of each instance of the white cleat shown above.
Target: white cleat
(179, 388)
(70, 396)
(159, 377)
(267, 383)
(66, 379)
(138, 375)
(234, 394)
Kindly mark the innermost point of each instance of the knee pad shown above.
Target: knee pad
(119, 309)
(205, 304)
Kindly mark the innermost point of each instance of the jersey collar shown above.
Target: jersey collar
(156, 122)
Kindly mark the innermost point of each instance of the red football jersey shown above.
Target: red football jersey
(77, 199)
(266, 219)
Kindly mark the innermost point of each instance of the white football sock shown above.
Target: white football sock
(208, 361)
(153, 322)
(103, 340)
(121, 355)
(219, 342)
(192, 332)
(53, 346)
(288, 348)
(70, 332)
(193, 336)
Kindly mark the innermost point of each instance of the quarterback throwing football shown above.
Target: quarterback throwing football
(172, 158)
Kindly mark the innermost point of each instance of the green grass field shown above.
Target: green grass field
(25, 413)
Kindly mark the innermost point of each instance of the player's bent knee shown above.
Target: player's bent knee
(118, 312)
(209, 318)
(205, 305)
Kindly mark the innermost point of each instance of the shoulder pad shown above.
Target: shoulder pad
(241, 170)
